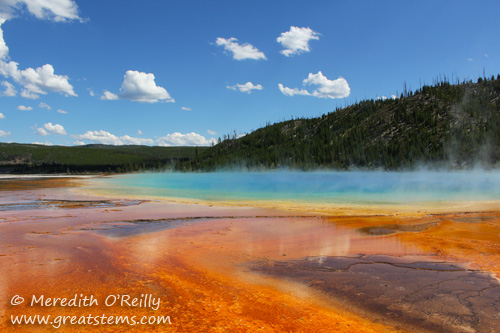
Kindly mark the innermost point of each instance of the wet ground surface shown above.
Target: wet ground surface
(248, 270)
(421, 295)
(126, 228)
(67, 204)
(394, 228)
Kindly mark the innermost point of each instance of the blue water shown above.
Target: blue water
(374, 187)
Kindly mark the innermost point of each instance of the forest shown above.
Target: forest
(31, 158)
(445, 125)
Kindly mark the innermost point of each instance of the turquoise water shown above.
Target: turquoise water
(322, 187)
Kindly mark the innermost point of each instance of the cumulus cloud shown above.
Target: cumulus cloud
(41, 80)
(91, 92)
(128, 140)
(40, 131)
(296, 40)
(338, 88)
(246, 88)
(29, 95)
(54, 10)
(4, 49)
(49, 129)
(43, 105)
(46, 143)
(211, 132)
(186, 108)
(2, 116)
(9, 91)
(139, 132)
(62, 111)
(175, 139)
(106, 138)
(3, 133)
(188, 139)
(240, 51)
(37, 81)
(24, 108)
(139, 87)
(295, 91)
(109, 96)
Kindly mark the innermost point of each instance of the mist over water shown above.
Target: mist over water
(356, 187)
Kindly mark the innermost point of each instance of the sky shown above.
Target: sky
(172, 73)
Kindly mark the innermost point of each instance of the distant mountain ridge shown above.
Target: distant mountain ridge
(449, 125)
(94, 158)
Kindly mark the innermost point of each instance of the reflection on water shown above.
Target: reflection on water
(261, 236)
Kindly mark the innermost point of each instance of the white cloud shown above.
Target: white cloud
(381, 98)
(29, 95)
(50, 128)
(24, 108)
(470, 60)
(139, 132)
(295, 91)
(211, 132)
(43, 105)
(54, 10)
(62, 111)
(37, 81)
(186, 109)
(9, 89)
(296, 40)
(240, 51)
(3, 133)
(338, 88)
(41, 131)
(128, 140)
(101, 136)
(46, 143)
(107, 138)
(91, 92)
(2, 116)
(188, 139)
(109, 96)
(175, 139)
(247, 87)
(139, 87)
(4, 49)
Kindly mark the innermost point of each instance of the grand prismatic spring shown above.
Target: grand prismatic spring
(252, 252)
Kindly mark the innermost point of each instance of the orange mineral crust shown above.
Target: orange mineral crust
(239, 269)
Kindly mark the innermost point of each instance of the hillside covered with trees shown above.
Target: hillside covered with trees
(447, 125)
(31, 158)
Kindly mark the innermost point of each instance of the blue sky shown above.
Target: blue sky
(186, 72)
